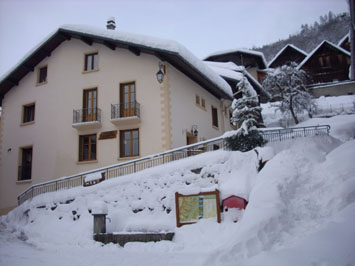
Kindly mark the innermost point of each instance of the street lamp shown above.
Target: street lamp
(194, 130)
(160, 74)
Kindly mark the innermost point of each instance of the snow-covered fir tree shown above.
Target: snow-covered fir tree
(287, 85)
(247, 117)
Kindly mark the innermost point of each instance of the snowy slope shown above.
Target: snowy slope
(300, 212)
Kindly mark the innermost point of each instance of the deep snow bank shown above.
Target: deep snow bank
(299, 203)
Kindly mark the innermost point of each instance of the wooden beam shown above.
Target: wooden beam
(134, 50)
(86, 40)
(65, 36)
(29, 68)
(109, 45)
(160, 56)
(13, 82)
(47, 53)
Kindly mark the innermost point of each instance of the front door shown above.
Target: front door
(191, 139)
(128, 100)
(89, 105)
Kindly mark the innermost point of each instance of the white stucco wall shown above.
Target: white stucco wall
(185, 113)
(56, 143)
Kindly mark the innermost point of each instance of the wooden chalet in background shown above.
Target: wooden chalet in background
(327, 63)
(288, 54)
(345, 42)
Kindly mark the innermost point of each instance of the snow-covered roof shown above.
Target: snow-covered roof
(232, 71)
(168, 50)
(238, 50)
(283, 49)
(316, 49)
(227, 70)
(347, 36)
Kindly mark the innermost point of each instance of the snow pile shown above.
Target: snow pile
(300, 211)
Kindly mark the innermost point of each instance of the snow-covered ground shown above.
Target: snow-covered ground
(301, 210)
(324, 107)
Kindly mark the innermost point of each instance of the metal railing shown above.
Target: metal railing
(291, 133)
(86, 115)
(125, 110)
(137, 165)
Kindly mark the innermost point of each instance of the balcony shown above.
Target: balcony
(125, 114)
(87, 118)
(24, 172)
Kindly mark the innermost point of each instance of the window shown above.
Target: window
(91, 62)
(87, 147)
(129, 143)
(42, 75)
(214, 117)
(197, 100)
(25, 169)
(324, 61)
(128, 99)
(28, 113)
(203, 103)
(90, 105)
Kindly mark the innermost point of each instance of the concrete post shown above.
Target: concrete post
(99, 223)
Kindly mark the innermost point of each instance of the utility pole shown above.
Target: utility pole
(352, 38)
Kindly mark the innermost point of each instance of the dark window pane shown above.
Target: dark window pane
(28, 113)
(42, 75)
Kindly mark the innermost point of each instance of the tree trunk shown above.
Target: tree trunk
(293, 112)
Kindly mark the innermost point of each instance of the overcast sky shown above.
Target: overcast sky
(203, 26)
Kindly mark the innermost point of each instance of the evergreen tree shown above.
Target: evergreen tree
(247, 116)
(286, 84)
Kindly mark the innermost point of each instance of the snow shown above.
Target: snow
(156, 43)
(231, 70)
(325, 106)
(301, 208)
(140, 40)
(93, 176)
(239, 50)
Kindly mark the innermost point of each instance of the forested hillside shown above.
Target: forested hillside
(330, 27)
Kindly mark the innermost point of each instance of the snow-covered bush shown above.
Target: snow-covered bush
(246, 116)
(286, 84)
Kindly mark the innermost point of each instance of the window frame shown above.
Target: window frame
(27, 116)
(203, 103)
(22, 159)
(122, 144)
(92, 65)
(214, 112)
(81, 148)
(197, 100)
(39, 75)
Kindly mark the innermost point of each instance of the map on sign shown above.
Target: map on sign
(191, 208)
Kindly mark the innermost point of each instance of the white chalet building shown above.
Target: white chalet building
(86, 98)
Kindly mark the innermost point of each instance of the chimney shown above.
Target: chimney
(111, 25)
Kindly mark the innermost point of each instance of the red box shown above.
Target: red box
(234, 202)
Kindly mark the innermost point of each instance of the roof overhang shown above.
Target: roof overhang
(28, 64)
